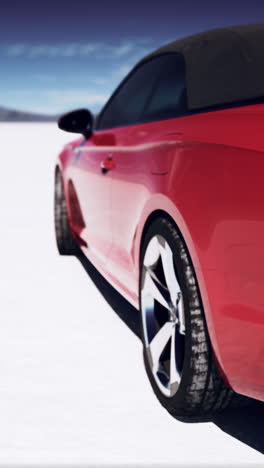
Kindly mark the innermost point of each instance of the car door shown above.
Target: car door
(142, 147)
(91, 169)
(92, 190)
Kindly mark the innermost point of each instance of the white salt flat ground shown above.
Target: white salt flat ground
(72, 384)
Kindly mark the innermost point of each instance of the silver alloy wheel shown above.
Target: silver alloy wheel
(163, 316)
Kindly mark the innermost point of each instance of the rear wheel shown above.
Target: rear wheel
(177, 352)
(65, 242)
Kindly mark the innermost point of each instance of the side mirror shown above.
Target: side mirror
(78, 121)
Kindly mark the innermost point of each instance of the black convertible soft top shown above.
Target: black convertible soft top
(222, 65)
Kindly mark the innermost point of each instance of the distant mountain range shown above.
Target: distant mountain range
(11, 115)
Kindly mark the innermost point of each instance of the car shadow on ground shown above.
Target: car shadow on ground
(244, 424)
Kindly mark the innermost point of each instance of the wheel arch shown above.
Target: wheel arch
(158, 213)
(167, 209)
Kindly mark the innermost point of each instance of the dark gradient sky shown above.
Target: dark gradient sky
(58, 55)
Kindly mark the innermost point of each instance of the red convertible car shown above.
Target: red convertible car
(164, 193)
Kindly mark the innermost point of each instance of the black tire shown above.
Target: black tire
(201, 392)
(65, 242)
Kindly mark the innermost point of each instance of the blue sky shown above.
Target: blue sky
(58, 56)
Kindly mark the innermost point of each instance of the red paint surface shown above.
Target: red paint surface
(206, 171)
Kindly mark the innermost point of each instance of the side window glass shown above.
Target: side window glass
(156, 90)
(128, 103)
(169, 97)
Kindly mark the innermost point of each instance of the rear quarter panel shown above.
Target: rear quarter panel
(214, 192)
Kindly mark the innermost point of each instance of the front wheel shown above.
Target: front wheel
(177, 352)
(65, 243)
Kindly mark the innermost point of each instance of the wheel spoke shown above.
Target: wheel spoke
(174, 375)
(159, 342)
(168, 269)
(152, 253)
(153, 287)
(181, 317)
